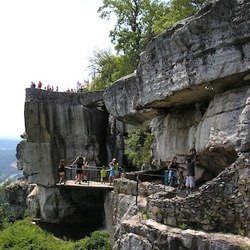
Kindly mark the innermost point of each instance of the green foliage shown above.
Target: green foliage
(134, 26)
(137, 22)
(107, 69)
(144, 214)
(98, 240)
(138, 147)
(183, 226)
(6, 214)
(178, 10)
(24, 234)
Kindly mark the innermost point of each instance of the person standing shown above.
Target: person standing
(85, 171)
(190, 165)
(62, 170)
(111, 172)
(39, 85)
(79, 161)
(172, 172)
(117, 168)
(103, 174)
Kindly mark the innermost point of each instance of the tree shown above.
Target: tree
(135, 24)
(178, 10)
(138, 147)
(138, 21)
(107, 68)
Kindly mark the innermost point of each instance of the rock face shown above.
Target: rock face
(192, 90)
(146, 235)
(143, 222)
(209, 50)
(67, 205)
(61, 126)
(16, 194)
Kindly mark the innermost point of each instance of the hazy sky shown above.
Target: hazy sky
(48, 41)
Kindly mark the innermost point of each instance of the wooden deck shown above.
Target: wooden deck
(88, 185)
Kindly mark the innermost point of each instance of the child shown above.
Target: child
(103, 174)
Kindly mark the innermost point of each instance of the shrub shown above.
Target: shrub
(25, 235)
(99, 240)
(138, 147)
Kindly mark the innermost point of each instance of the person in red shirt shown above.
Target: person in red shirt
(39, 85)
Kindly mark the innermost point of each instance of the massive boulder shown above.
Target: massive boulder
(188, 63)
(61, 125)
(192, 86)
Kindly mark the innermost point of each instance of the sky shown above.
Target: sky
(45, 40)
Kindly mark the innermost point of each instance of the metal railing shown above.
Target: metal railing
(92, 173)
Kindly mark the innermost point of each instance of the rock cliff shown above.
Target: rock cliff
(192, 90)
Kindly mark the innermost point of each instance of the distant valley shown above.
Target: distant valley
(8, 168)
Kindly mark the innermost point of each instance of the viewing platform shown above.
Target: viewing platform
(87, 185)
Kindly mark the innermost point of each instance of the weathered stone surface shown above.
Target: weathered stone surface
(140, 234)
(16, 194)
(216, 134)
(145, 189)
(48, 205)
(60, 126)
(192, 90)
(209, 50)
(220, 205)
(86, 99)
(71, 206)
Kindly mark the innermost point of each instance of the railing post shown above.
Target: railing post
(137, 188)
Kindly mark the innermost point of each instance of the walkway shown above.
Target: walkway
(88, 185)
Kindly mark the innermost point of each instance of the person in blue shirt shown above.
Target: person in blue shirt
(111, 172)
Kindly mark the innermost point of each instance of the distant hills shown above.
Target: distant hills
(8, 160)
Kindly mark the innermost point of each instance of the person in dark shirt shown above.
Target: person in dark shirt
(61, 170)
(79, 161)
(190, 165)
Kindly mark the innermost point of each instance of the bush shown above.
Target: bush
(99, 240)
(25, 235)
(138, 147)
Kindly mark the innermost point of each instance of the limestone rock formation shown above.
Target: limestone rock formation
(191, 90)
(221, 205)
(16, 194)
(147, 234)
(61, 126)
(69, 206)
(188, 63)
